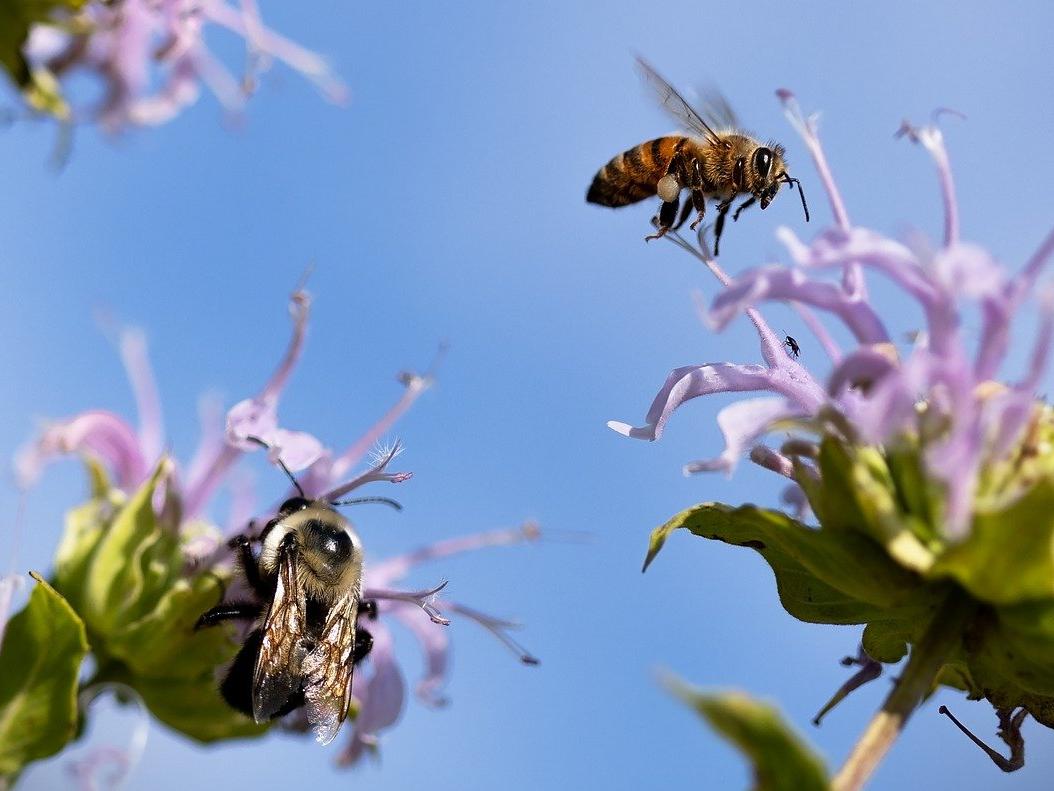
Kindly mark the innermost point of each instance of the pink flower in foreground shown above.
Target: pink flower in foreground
(939, 391)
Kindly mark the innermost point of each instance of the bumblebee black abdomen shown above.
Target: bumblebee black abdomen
(633, 175)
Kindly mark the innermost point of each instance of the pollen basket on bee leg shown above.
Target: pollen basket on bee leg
(668, 189)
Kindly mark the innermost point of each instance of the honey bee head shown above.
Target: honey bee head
(764, 171)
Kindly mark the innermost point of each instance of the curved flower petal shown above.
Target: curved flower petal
(97, 432)
(742, 423)
(144, 387)
(380, 697)
(781, 283)
(435, 643)
(692, 381)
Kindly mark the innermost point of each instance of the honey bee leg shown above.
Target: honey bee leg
(722, 210)
(243, 548)
(666, 218)
(699, 203)
(745, 205)
(233, 611)
(685, 211)
(363, 646)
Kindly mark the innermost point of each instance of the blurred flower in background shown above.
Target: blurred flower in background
(149, 57)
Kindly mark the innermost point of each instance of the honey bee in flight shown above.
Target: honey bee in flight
(718, 161)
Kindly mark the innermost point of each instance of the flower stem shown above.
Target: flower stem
(940, 639)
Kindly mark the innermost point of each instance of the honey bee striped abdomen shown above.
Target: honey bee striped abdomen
(718, 162)
(634, 175)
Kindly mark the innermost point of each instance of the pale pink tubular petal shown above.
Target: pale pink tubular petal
(498, 627)
(999, 310)
(741, 423)
(794, 498)
(98, 433)
(300, 310)
(242, 504)
(395, 568)
(933, 141)
(781, 283)
(807, 129)
(435, 643)
(297, 449)
(179, 91)
(252, 417)
(211, 440)
(414, 384)
(852, 276)
(684, 384)
(836, 248)
(144, 387)
(863, 368)
(380, 695)
(766, 457)
(426, 600)
(376, 473)
(268, 42)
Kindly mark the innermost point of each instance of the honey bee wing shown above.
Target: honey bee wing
(717, 111)
(676, 105)
(328, 669)
(278, 675)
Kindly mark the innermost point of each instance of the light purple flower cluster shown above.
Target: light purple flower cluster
(151, 56)
(940, 391)
(130, 453)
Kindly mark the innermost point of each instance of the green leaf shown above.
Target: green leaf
(193, 707)
(781, 760)
(123, 582)
(163, 643)
(39, 665)
(860, 496)
(40, 88)
(822, 576)
(1008, 557)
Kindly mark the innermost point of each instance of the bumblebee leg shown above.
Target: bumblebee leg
(665, 220)
(234, 611)
(363, 645)
(745, 205)
(722, 210)
(368, 608)
(243, 547)
(237, 685)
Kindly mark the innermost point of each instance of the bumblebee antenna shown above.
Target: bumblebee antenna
(360, 500)
(801, 192)
(278, 460)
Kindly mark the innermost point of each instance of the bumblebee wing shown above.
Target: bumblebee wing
(676, 105)
(278, 675)
(328, 669)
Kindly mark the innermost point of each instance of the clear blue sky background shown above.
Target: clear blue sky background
(446, 202)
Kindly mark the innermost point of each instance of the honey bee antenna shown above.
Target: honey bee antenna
(360, 500)
(801, 192)
(278, 460)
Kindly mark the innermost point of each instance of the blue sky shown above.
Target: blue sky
(445, 203)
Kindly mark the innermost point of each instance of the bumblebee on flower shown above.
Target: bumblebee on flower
(146, 505)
